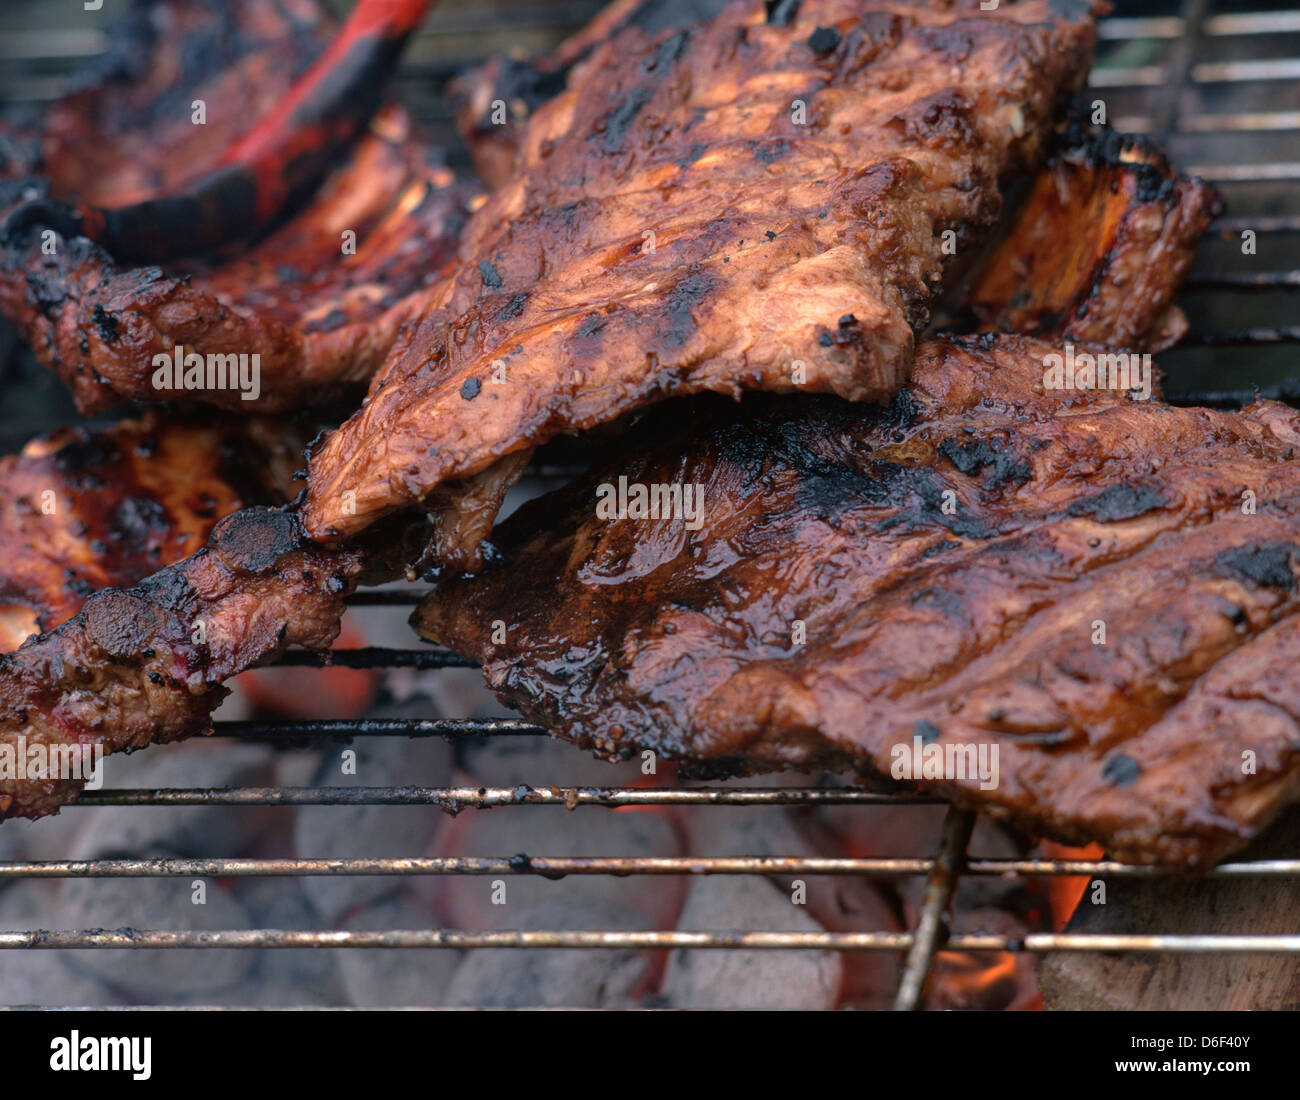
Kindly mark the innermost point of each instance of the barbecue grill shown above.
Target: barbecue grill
(1214, 85)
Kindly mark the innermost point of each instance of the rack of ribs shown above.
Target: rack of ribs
(766, 200)
(86, 509)
(318, 298)
(148, 664)
(1103, 591)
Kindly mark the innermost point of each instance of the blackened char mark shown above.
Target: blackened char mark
(972, 456)
(1121, 501)
(928, 732)
(670, 51)
(914, 495)
(122, 622)
(901, 413)
(254, 539)
(1270, 565)
(656, 67)
(523, 81)
(1121, 770)
(46, 292)
(686, 295)
(105, 322)
(823, 40)
(620, 119)
(134, 519)
(1155, 179)
(692, 155)
(769, 152)
(512, 308)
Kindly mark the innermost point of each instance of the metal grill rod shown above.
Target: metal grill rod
(1245, 337)
(1216, 26)
(449, 729)
(1243, 281)
(620, 866)
(1246, 173)
(455, 799)
(930, 927)
(376, 657)
(1287, 392)
(1041, 942)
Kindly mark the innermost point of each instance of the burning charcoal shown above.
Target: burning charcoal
(837, 903)
(10, 849)
(596, 978)
(749, 979)
(369, 831)
(49, 838)
(916, 832)
(984, 979)
(108, 831)
(491, 902)
(154, 976)
(507, 761)
(375, 978)
(285, 977)
(39, 977)
(442, 693)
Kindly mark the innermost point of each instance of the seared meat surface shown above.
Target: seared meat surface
(319, 299)
(147, 663)
(752, 203)
(82, 510)
(492, 101)
(1104, 238)
(1105, 590)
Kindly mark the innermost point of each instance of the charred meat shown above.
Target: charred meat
(493, 100)
(1098, 593)
(1099, 246)
(148, 663)
(751, 203)
(82, 510)
(318, 301)
(126, 131)
(277, 162)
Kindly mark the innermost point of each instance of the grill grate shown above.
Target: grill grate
(1184, 58)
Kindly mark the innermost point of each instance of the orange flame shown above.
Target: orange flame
(982, 980)
(1065, 893)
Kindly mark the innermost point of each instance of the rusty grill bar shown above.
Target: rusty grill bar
(421, 76)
